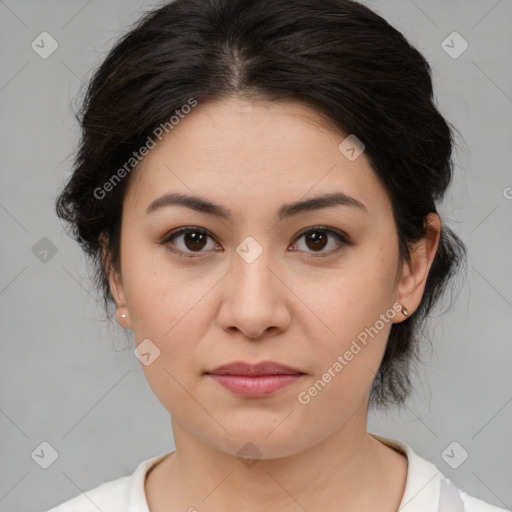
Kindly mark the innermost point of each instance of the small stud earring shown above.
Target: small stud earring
(124, 315)
(405, 312)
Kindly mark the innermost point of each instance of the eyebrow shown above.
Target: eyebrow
(202, 205)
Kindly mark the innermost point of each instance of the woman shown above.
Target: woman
(256, 185)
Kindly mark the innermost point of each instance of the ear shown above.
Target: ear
(115, 283)
(413, 279)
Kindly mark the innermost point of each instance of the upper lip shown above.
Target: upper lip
(263, 368)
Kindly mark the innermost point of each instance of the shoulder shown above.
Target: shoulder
(428, 489)
(473, 504)
(453, 499)
(109, 496)
(125, 494)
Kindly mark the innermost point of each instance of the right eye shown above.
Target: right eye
(193, 240)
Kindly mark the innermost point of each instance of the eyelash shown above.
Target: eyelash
(191, 229)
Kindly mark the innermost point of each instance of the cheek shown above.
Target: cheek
(353, 295)
(167, 306)
(357, 308)
(159, 292)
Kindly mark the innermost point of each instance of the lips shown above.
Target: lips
(254, 370)
(255, 380)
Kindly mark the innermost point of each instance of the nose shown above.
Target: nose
(255, 299)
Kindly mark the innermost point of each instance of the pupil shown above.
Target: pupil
(317, 241)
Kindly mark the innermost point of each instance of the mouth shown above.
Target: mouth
(254, 370)
(255, 380)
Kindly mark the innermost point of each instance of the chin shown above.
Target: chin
(261, 441)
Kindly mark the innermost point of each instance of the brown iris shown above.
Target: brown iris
(316, 240)
(195, 240)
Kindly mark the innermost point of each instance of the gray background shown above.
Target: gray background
(67, 379)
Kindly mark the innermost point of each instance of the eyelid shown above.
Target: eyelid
(342, 237)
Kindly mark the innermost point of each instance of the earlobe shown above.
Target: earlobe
(415, 271)
(123, 317)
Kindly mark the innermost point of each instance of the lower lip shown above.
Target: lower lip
(255, 387)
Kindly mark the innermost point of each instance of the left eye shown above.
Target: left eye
(318, 238)
(196, 239)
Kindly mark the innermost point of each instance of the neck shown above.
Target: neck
(349, 469)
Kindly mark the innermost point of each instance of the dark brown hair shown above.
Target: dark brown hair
(337, 56)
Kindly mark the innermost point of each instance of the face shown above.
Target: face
(264, 282)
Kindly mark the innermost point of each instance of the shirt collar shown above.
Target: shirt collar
(422, 486)
(137, 501)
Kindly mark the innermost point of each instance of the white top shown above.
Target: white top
(426, 490)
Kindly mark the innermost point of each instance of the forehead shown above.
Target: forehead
(253, 153)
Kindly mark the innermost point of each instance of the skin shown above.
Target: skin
(201, 312)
